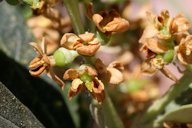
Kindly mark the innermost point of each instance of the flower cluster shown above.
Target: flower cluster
(85, 77)
(164, 40)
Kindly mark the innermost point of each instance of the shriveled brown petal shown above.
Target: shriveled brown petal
(156, 45)
(117, 25)
(184, 51)
(97, 18)
(75, 88)
(87, 37)
(36, 67)
(69, 40)
(179, 24)
(115, 76)
(152, 40)
(53, 76)
(90, 70)
(71, 74)
(88, 50)
(98, 90)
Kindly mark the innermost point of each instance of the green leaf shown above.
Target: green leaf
(14, 34)
(13, 113)
(181, 115)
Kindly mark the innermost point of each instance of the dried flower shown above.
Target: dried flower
(108, 22)
(157, 63)
(184, 50)
(43, 63)
(112, 73)
(156, 36)
(85, 44)
(85, 78)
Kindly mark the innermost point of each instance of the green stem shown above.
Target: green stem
(111, 117)
(158, 106)
(74, 13)
(105, 114)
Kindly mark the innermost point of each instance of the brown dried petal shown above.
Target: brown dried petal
(76, 86)
(179, 24)
(88, 50)
(69, 40)
(91, 71)
(185, 51)
(97, 18)
(98, 90)
(117, 25)
(156, 45)
(71, 74)
(114, 76)
(36, 67)
(87, 37)
(152, 39)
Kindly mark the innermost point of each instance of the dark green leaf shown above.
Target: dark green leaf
(13, 113)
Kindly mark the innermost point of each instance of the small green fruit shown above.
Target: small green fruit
(168, 56)
(64, 56)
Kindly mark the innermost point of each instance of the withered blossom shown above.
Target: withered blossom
(108, 21)
(184, 50)
(43, 62)
(155, 64)
(156, 36)
(85, 44)
(85, 78)
(111, 73)
(161, 31)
